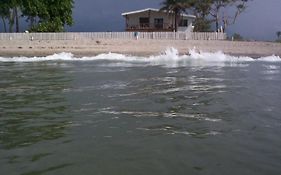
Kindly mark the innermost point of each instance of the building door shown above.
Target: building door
(159, 23)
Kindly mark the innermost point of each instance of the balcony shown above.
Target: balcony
(150, 27)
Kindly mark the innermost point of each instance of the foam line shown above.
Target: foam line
(169, 57)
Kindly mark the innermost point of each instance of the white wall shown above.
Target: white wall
(133, 20)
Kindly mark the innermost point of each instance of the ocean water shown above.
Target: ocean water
(205, 113)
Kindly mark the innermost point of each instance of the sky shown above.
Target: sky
(260, 21)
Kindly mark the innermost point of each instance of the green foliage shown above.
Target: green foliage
(208, 11)
(35, 8)
(201, 10)
(202, 25)
(43, 15)
(177, 6)
(4, 8)
(237, 37)
(53, 14)
(4, 13)
(48, 26)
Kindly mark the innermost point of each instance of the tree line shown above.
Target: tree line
(41, 15)
(220, 12)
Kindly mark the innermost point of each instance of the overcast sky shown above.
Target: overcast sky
(261, 21)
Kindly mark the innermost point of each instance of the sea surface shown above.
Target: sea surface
(205, 113)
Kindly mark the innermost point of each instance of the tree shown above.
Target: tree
(4, 13)
(219, 11)
(202, 25)
(207, 12)
(14, 6)
(237, 37)
(278, 34)
(9, 11)
(43, 15)
(202, 10)
(177, 7)
(55, 15)
(34, 10)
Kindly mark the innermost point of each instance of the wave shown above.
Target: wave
(170, 57)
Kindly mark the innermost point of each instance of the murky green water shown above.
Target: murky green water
(110, 117)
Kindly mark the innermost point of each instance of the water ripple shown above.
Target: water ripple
(161, 114)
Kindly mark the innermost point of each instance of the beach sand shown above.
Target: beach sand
(134, 47)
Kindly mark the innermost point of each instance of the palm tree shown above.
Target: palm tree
(177, 7)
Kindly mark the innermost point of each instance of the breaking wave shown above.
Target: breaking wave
(170, 57)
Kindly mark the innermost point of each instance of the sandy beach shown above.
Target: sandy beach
(134, 47)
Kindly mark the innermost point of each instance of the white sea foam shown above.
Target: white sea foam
(169, 58)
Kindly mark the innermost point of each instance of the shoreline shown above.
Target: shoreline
(142, 47)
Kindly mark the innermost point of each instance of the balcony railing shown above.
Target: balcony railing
(151, 27)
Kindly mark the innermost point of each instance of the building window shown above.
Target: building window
(159, 23)
(144, 22)
(183, 23)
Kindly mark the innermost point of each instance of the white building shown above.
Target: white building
(154, 20)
